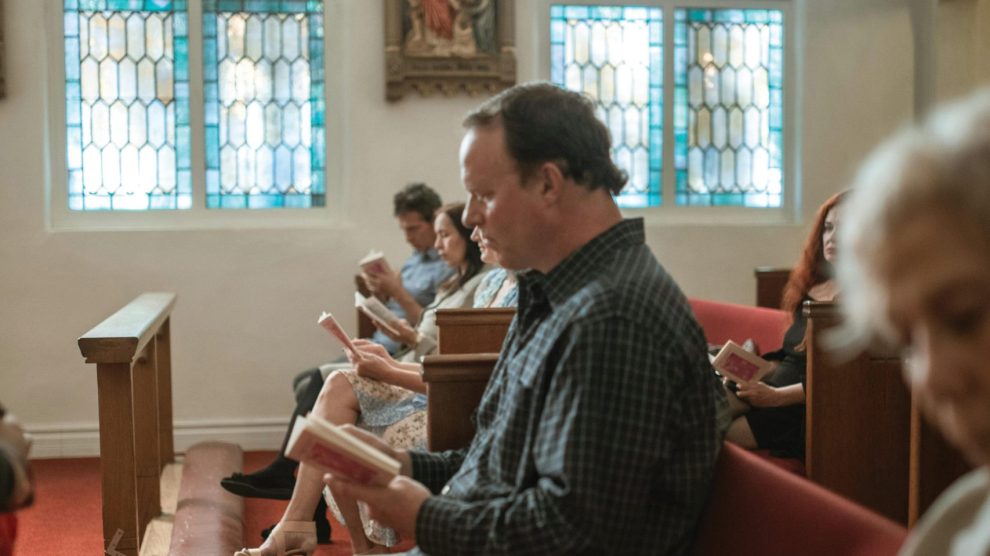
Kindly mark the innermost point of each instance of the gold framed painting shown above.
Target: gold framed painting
(3, 80)
(448, 46)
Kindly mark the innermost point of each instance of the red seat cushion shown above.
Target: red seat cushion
(759, 509)
(728, 321)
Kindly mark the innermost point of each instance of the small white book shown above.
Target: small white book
(376, 310)
(327, 321)
(740, 365)
(320, 443)
(374, 263)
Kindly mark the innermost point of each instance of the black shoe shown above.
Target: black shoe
(254, 486)
(322, 525)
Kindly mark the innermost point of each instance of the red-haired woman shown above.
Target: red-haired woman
(770, 414)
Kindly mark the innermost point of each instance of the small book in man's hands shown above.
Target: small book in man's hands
(374, 263)
(376, 310)
(320, 443)
(740, 365)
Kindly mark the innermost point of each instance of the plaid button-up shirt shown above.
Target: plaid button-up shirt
(600, 427)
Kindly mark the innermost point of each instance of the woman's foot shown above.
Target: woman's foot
(290, 538)
(319, 517)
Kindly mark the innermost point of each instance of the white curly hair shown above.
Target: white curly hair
(941, 164)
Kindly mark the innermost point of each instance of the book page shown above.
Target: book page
(376, 310)
(321, 444)
(374, 263)
(327, 321)
(740, 365)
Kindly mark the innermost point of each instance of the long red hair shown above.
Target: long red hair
(811, 269)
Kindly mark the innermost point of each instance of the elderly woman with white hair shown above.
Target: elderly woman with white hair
(915, 272)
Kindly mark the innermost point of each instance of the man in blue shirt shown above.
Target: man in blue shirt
(407, 291)
(415, 285)
(599, 429)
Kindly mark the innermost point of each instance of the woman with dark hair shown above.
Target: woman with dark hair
(380, 394)
(770, 414)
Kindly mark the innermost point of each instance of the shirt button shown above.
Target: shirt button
(445, 490)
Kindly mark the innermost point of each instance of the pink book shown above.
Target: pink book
(327, 321)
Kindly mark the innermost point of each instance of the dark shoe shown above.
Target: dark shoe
(253, 486)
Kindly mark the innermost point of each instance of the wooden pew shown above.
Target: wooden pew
(770, 282)
(456, 377)
(864, 437)
(131, 350)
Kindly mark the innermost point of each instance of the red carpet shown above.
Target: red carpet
(66, 517)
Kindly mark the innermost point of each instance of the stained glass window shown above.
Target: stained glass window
(127, 104)
(614, 54)
(728, 107)
(264, 107)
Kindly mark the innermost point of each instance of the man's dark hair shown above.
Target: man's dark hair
(418, 198)
(545, 123)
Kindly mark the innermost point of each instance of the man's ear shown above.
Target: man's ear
(552, 181)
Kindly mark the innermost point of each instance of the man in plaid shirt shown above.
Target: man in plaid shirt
(599, 430)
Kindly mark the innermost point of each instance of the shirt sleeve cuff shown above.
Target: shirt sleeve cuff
(434, 524)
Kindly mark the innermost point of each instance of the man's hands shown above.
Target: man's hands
(384, 284)
(395, 505)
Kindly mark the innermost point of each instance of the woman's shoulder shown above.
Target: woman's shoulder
(955, 513)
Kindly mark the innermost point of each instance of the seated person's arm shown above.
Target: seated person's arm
(390, 285)
(434, 469)
(762, 394)
(369, 362)
(622, 421)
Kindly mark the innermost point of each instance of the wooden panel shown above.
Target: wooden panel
(473, 330)
(858, 423)
(146, 457)
(117, 466)
(770, 282)
(125, 333)
(934, 465)
(163, 351)
(454, 384)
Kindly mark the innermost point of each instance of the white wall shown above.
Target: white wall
(248, 298)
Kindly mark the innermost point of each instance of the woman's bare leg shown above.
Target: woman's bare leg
(736, 406)
(740, 434)
(338, 404)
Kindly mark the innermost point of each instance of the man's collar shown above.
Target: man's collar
(572, 273)
(428, 255)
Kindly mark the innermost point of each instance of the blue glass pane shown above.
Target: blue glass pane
(614, 54)
(264, 108)
(728, 107)
(127, 105)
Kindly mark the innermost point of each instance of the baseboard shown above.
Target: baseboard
(83, 440)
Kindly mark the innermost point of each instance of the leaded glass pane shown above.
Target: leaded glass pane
(127, 104)
(728, 107)
(614, 55)
(264, 109)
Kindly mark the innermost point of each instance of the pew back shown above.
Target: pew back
(132, 353)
